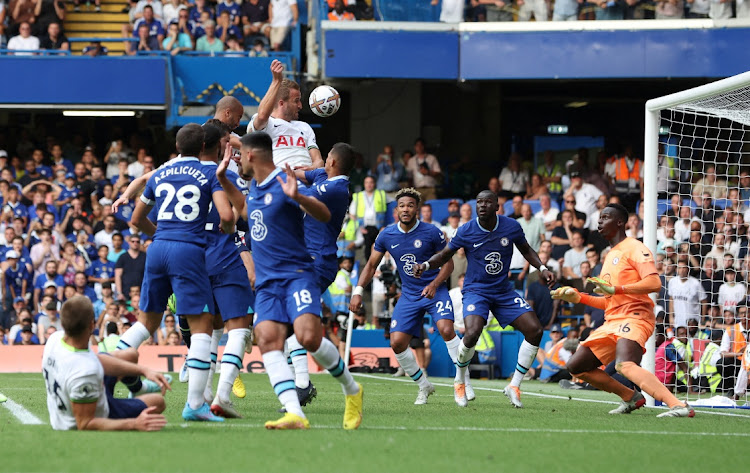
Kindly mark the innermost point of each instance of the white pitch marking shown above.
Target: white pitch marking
(20, 413)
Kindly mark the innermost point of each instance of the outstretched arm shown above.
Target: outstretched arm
(268, 102)
(134, 188)
(236, 198)
(533, 258)
(140, 218)
(443, 275)
(436, 261)
(312, 206)
(365, 277)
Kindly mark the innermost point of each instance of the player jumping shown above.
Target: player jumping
(488, 241)
(176, 260)
(409, 241)
(626, 279)
(286, 287)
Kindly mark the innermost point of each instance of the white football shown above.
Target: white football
(325, 101)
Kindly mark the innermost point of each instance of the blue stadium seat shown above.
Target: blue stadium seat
(440, 208)
(389, 212)
(721, 203)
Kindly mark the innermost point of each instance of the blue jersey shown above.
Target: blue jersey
(101, 270)
(66, 193)
(15, 277)
(182, 192)
(222, 252)
(277, 232)
(321, 237)
(488, 253)
(408, 249)
(233, 9)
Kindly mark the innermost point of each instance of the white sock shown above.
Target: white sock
(526, 357)
(298, 354)
(452, 346)
(215, 338)
(134, 336)
(408, 362)
(199, 364)
(282, 382)
(463, 359)
(329, 358)
(231, 361)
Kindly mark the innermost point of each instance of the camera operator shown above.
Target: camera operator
(385, 291)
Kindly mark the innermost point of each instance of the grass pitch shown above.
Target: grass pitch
(556, 431)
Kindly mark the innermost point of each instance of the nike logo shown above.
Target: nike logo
(276, 126)
(477, 245)
(394, 246)
(303, 307)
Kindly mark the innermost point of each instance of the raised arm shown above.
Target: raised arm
(221, 204)
(365, 277)
(134, 188)
(236, 198)
(268, 103)
(312, 206)
(140, 218)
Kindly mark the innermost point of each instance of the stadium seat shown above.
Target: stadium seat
(440, 208)
(389, 212)
(721, 203)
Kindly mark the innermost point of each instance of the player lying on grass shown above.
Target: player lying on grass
(627, 277)
(80, 384)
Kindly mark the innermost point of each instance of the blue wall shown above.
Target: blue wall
(382, 51)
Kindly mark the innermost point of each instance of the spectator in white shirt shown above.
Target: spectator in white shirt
(513, 178)
(24, 41)
(104, 236)
(533, 228)
(425, 171)
(585, 194)
(687, 297)
(548, 215)
(283, 15)
(574, 257)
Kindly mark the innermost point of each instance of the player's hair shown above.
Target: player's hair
(285, 89)
(409, 192)
(76, 315)
(622, 212)
(487, 191)
(212, 136)
(218, 123)
(258, 141)
(344, 157)
(190, 140)
(228, 103)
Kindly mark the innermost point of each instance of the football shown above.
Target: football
(325, 101)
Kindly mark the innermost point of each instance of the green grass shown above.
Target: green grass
(550, 434)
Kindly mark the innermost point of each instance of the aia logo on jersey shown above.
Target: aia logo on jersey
(504, 241)
(417, 243)
(615, 260)
(290, 141)
(268, 198)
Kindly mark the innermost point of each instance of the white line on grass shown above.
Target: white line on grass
(548, 396)
(20, 413)
(491, 429)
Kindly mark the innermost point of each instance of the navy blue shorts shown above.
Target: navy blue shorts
(179, 267)
(233, 296)
(121, 408)
(284, 300)
(326, 270)
(506, 307)
(408, 315)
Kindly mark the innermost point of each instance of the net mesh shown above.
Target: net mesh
(702, 246)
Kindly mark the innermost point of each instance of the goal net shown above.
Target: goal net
(696, 220)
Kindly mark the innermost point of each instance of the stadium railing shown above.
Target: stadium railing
(34, 52)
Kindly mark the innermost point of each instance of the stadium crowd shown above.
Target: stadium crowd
(60, 238)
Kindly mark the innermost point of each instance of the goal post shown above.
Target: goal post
(697, 129)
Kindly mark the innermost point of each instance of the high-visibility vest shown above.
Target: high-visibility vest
(552, 362)
(706, 369)
(669, 161)
(623, 175)
(485, 342)
(701, 335)
(350, 229)
(737, 342)
(688, 359)
(544, 171)
(109, 344)
(379, 202)
(340, 297)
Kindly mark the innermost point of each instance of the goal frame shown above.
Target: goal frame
(654, 107)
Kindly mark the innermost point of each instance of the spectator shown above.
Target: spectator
(592, 256)
(27, 337)
(70, 263)
(674, 360)
(209, 42)
(358, 174)
(226, 28)
(24, 41)
(146, 42)
(45, 250)
(425, 171)
(498, 10)
(116, 249)
(548, 215)
(687, 297)
(706, 214)
(20, 12)
(565, 10)
(140, 9)
(49, 318)
(466, 213)
(230, 7)
(24, 320)
(720, 10)
(171, 10)
(258, 49)
(176, 41)
(16, 277)
(451, 226)
(538, 8)
(513, 178)
(104, 237)
(453, 206)
(368, 208)
(255, 17)
(130, 267)
(283, 15)
(634, 228)
(627, 173)
(731, 294)
(535, 189)
(151, 38)
(732, 349)
(115, 153)
(533, 228)
(380, 293)
(711, 185)
(574, 257)
(388, 172)
(82, 287)
(54, 39)
(551, 173)
(48, 279)
(451, 11)
(163, 332)
(585, 194)
(425, 215)
(516, 203)
(106, 297)
(698, 8)
(340, 14)
(562, 235)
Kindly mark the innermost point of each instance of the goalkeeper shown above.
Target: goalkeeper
(626, 279)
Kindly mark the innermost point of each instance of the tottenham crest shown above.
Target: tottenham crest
(417, 243)
(504, 241)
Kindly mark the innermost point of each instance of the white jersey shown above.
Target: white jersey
(292, 141)
(730, 296)
(71, 375)
(687, 297)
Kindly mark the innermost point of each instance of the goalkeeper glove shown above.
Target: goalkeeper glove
(567, 294)
(603, 288)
